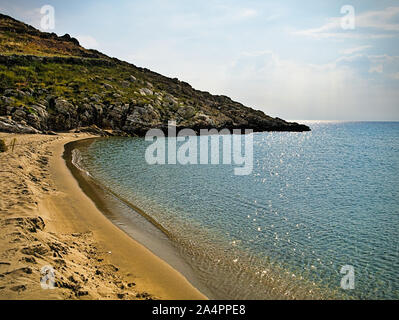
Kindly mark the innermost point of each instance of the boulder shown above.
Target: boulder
(96, 98)
(93, 129)
(108, 86)
(125, 84)
(86, 114)
(116, 115)
(33, 120)
(14, 93)
(39, 117)
(11, 126)
(5, 100)
(141, 119)
(64, 116)
(170, 102)
(98, 110)
(186, 112)
(202, 120)
(146, 92)
(19, 114)
(9, 92)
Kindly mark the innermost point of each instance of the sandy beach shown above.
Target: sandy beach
(46, 220)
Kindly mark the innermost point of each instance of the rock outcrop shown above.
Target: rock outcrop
(8, 125)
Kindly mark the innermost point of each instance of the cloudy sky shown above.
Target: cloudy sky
(293, 59)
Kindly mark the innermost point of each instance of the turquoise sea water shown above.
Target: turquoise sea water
(315, 201)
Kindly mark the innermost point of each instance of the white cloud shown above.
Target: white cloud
(88, 42)
(376, 69)
(272, 17)
(380, 19)
(356, 49)
(31, 16)
(341, 89)
(375, 24)
(219, 16)
(248, 13)
(373, 64)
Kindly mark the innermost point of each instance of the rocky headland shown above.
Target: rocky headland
(50, 83)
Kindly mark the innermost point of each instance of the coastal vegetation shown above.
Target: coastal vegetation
(50, 83)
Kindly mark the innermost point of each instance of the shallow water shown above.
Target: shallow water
(315, 201)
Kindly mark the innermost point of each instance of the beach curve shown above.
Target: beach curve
(92, 257)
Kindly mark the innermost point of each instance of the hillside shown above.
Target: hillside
(51, 83)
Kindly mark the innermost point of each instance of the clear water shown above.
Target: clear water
(314, 202)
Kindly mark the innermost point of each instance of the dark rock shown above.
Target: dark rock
(95, 130)
(125, 84)
(35, 250)
(19, 288)
(116, 116)
(141, 119)
(81, 293)
(64, 116)
(36, 223)
(3, 147)
(29, 260)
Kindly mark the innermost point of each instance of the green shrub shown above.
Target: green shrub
(3, 147)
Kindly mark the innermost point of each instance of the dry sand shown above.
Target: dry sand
(45, 219)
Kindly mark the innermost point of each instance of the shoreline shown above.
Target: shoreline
(130, 219)
(250, 268)
(53, 222)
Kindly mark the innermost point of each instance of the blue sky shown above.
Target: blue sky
(290, 59)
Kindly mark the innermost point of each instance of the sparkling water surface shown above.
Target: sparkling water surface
(314, 202)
